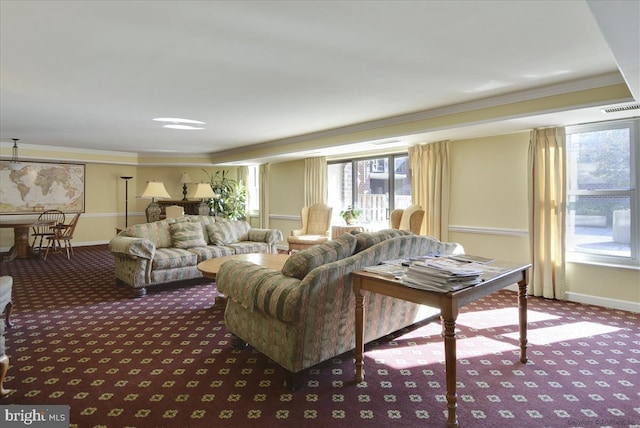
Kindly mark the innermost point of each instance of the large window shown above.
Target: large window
(370, 185)
(602, 197)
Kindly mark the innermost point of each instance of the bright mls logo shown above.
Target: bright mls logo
(35, 416)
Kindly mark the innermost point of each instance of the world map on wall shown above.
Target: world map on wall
(40, 186)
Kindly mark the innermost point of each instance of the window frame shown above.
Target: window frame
(390, 157)
(633, 261)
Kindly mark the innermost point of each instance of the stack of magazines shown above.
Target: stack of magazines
(442, 274)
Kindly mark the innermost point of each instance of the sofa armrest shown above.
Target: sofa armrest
(260, 288)
(270, 236)
(132, 247)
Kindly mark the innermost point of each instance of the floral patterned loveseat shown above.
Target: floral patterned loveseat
(305, 314)
(169, 250)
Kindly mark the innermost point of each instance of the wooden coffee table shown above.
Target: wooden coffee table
(210, 268)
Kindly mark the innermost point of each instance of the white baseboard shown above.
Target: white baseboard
(605, 302)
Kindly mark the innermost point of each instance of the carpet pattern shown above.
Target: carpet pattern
(166, 360)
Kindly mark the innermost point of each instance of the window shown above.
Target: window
(253, 189)
(368, 184)
(602, 198)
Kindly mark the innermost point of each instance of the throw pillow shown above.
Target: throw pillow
(228, 232)
(303, 262)
(343, 244)
(186, 234)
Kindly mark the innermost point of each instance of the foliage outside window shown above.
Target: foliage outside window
(602, 199)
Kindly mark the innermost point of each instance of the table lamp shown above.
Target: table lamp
(204, 191)
(184, 180)
(155, 189)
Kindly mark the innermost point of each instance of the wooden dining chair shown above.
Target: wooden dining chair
(63, 236)
(40, 233)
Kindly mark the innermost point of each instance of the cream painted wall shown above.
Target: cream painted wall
(489, 215)
(105, 197)
(286, 190)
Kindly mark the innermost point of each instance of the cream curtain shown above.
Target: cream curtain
(430, 186)
(263, 178)
(243, 175)
(547, 208)
(315, 181)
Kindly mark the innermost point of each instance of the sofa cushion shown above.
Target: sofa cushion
(204, 220)
(156, 232)
(247, 247)
(303, 262)
(186, 234)
(172, 258)
(368, 239)
(228, 232)
(211, 251)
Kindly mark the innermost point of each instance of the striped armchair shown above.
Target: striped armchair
(305, 314)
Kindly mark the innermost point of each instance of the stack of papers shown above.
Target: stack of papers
(387, 269)
(442, 274)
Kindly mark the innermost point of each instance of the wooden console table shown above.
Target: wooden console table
(449, 303)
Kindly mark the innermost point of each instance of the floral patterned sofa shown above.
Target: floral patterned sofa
(170, 250)
(305, 314)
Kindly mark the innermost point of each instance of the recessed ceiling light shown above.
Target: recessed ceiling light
(178, 120)
(187, 127)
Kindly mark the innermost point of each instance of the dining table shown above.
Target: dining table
(21, 248)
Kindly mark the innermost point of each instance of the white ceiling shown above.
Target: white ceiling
(93, 74)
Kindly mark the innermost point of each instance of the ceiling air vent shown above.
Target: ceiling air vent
(619, 109)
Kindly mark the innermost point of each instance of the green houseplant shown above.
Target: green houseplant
(351, 215)
(232, 196)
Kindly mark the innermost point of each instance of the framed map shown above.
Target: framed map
(40, 186)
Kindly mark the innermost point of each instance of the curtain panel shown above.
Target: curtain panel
(547, 212)
(315, 181)
(243, 175)
(263, 178)
(430, 186)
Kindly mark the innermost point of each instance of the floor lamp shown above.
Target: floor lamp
(126, 200)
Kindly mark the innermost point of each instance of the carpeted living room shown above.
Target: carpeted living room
(195, 197)
(166, 359)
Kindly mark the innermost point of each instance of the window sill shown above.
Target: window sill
(609, 264)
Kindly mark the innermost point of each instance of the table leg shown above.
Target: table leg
(522, 311)
(448, 318)
(21, 248)
(359, 331)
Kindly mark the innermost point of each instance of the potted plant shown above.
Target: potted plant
(232, 196)
(351, 215)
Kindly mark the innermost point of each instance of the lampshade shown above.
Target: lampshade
(203, 191)
(155, 189)
(184, 178)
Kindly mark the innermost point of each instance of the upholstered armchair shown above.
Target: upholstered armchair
(409, 218)
(6, 283)
(316, 226)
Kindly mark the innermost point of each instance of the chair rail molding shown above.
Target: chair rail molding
(489, 230)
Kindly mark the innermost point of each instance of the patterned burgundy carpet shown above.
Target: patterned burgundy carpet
(166, 361)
